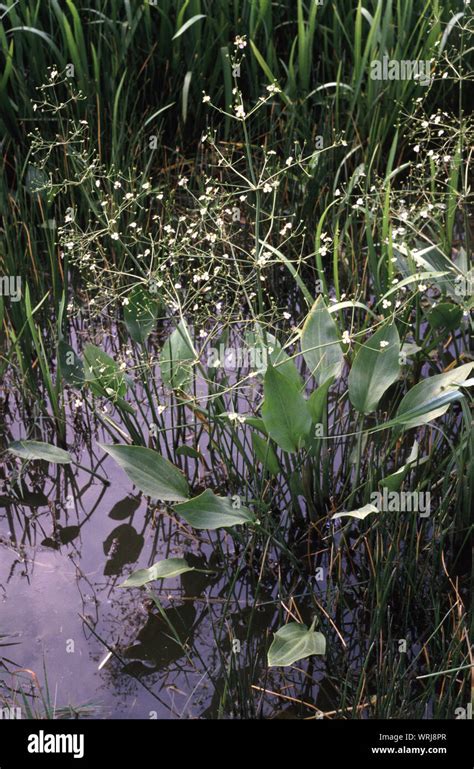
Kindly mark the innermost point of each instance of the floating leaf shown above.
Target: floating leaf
(320, 343)
(150, 472)
(208, 511)
(375, 368)
(171, 567)
(39, 450)
(361, 513)
(294, 642)
(177, 358)
(285, 412)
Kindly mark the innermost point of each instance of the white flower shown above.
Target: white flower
(239, 111)
(115, 236)
(267, 187)
(273, 88)
(286, 315)
(206, 98)
(422, 287)
(117, 185)
(234, 417)
(183, 182)
(240, 41)
(383, 344)
(386, 304)
(346, 338)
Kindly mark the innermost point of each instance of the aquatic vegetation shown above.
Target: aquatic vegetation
(236, 363)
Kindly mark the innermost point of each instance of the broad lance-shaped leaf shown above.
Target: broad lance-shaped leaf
(361, 513)
(285, 412)
(140, 314)
(71, 366)
(320, 343)
(294, 642)
(431, 398)
(177, 358)
(171, 567)
(208, 511)
(375, 368)
(150, 472)
(39, 450)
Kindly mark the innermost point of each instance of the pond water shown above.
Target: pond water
(69, 536)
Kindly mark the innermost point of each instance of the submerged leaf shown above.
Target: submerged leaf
(208, 511)
(150, 472)
(170, 567)
(294, 642)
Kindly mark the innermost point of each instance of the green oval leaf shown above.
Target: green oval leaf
(150, 472)
(208, 511)
(177, 358)
(140, 314)
(294, 642)
(285, 412)
(375, 368)
(72, 368)
(445, 315)
(320, 343)
(171, 567)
